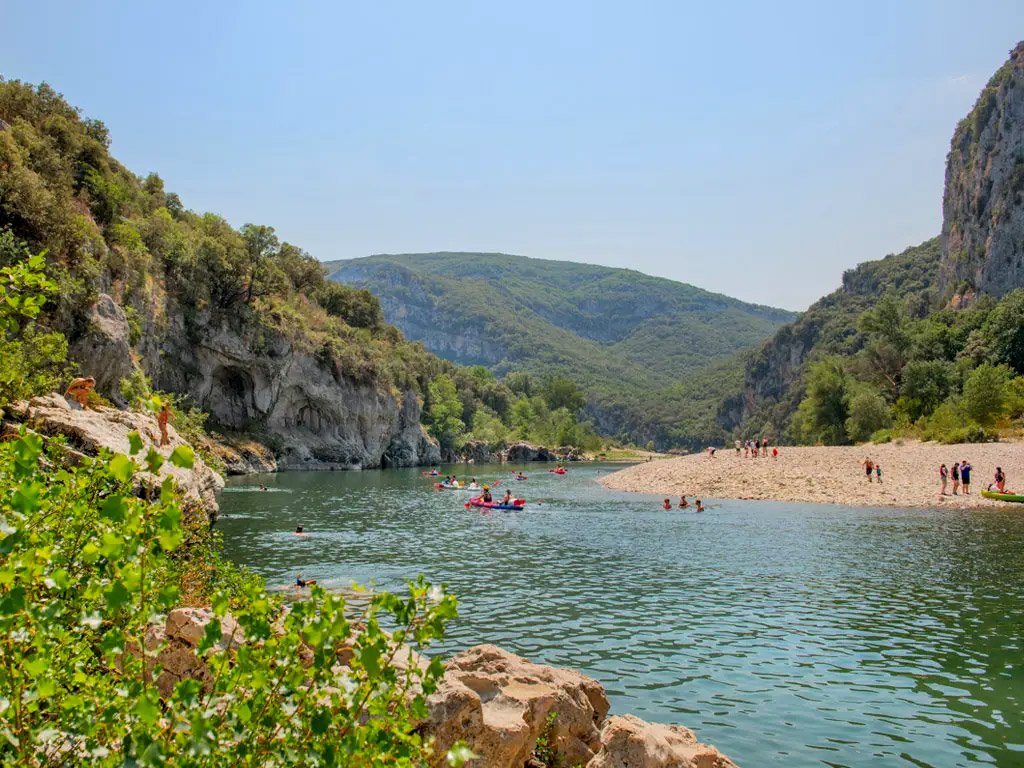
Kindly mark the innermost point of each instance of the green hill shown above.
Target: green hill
(633, 341)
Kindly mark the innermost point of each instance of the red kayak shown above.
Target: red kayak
(559, 471)
(516, 504)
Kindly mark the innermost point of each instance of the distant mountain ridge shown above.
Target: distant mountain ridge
(622, 334)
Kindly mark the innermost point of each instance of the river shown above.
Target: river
(784, 634)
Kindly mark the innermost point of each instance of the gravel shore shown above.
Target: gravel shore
(830, 475)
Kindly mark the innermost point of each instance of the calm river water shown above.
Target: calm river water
(786, 634)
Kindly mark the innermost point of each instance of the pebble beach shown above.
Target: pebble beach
(830, 475)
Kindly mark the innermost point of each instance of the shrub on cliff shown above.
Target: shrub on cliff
(87, 572)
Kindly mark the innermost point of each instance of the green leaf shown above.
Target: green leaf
(154, 461)
(170, 540)
(116, 596)
(113, 508)
(147, 709)
(321, 721)
(135, 442)
(121, 467)
(183, 457)
(111, 545)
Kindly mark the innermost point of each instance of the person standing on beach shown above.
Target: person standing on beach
(738, 446)
(965, 477)
(943, 474)
(868, 466)
(954, 473)
(878, 473)
(1000, 480)
(764, 447)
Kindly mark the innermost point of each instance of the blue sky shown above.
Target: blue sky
(754, 149)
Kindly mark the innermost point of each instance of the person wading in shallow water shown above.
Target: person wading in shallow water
(667, 504)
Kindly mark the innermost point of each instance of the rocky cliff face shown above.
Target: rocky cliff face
(983, 204)
(253, 380)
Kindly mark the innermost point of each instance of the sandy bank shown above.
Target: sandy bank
(833, 475)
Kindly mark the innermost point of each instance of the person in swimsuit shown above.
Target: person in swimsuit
(79, 389)
(700, 507)
(161, 420)
(868, 466)
(667, 504)
(508, 498)
(487, 498)
(300, 582)
(683, 503)
(943, 474)
(878, 473)
(299, 531)
(954, 475)
(775, 452)
(1000, 480)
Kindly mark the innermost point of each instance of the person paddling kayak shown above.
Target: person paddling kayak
(486, 498)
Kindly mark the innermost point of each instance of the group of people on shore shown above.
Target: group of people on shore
(683, 504)
(754, 448)
(960, 474)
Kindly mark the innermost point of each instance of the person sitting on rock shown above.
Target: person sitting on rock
(79, 389)
(161, 420)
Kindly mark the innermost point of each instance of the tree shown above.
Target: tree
(1003, 331)
(926, 383)
(868, 413)
(261, 246)
(520, 383)
(444, 411)
(822, 415)
(985, 392)
(562, 392)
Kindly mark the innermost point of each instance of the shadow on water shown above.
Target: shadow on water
(789, 634)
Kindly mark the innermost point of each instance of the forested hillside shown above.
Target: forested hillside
(926, 343)
(634, 342)
(143, 293)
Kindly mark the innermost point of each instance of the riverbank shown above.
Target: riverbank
(829, 475)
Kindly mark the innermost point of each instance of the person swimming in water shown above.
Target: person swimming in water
(667, 504)
(300, 582)
(299, 531)
(683, 503)
(700, 507)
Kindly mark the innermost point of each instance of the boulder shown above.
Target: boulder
(242, 457)
(90, 431)
(475, 452)
(518, 452)
(628, 742)
(499, 703)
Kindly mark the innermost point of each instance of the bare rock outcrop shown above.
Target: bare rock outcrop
(983, 202)
(321, 415)
(89, 432)
(628, 742)
(104, 351)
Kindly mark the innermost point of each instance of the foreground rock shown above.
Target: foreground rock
(89, 432)
(832, 475)
(498, 703)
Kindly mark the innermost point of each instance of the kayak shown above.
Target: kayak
(444, 487)
(517, 505)
(558, 471)
(520, 478)
(997, 496)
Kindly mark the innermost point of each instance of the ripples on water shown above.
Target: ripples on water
(789, 634)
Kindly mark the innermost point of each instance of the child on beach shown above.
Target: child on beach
(878, 473)
(775, 452)
(943, 474)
